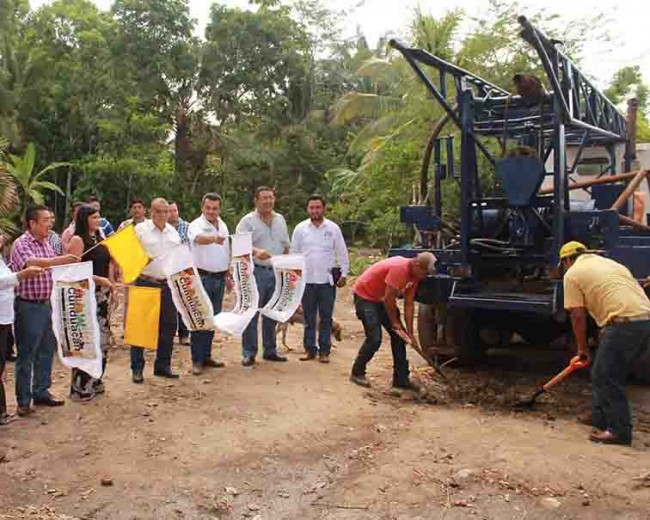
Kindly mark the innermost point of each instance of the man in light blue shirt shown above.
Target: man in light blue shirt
(270, 237)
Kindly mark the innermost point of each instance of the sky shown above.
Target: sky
(627, 25)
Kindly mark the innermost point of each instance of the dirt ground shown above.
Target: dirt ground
(298, 440)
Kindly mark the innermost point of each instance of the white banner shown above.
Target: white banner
(289, 287)
(74, 318)
(190, 298)
(246, 296)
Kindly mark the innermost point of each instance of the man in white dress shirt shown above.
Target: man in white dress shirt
(211, 252)
(158, 238)
(322, 243)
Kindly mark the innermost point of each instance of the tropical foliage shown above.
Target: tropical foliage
(130, 102)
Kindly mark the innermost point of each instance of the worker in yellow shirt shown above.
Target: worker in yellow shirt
(608, 291)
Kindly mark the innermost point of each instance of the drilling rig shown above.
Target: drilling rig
(497, 271)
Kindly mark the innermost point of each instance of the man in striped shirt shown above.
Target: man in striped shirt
(182, 227)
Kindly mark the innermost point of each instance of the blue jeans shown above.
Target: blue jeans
(265, 279)
(620, 346)
(318, 302)
(373, 316)
(182, 329)
(166, 331)
(215, 285)
(36, 346)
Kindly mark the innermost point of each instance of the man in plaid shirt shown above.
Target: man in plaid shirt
(33, 325)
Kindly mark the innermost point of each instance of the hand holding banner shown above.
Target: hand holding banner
(189, 296)
(74, 318)
(246, 295)
(289, 287)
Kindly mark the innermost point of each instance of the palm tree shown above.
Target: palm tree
(8, 194)
(31, 186)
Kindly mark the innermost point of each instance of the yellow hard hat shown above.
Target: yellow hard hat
(571, 249)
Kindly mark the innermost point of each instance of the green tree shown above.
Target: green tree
(262, 75)
(8, 194)
(394, 111)
(628, 82)
(31, 185)
(158, 56)
(12, 16)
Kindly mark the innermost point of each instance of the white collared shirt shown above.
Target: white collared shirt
(8, 281)
(214, 258)
(322, 246)
(157, 244)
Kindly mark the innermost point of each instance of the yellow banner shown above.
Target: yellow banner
(142, 317)
(127, 251)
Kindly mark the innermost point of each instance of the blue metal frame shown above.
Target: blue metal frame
(573, 113)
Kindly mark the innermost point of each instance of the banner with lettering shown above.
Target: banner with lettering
(245, 288)
(289, 287)
(74, 318)
(190, 298)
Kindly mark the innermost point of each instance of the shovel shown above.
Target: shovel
(576, 363)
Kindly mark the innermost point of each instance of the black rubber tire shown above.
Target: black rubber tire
(468, 347)
(427, 326)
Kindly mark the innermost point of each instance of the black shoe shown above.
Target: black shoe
(98, 386)
(408, 385)
(49, 400)
(360, 380)
(211, 363)
(275, 357)
(167, 374)
(24, 411)
(248, 361)
(138, 378)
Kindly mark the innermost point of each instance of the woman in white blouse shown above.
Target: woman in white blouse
(8, 281)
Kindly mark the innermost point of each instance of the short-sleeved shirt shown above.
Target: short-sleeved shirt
(214, 258)
(107, 228)
(157, 244)
(394, 272)
(67, 235)
(8, 281)
(129, 221)
(55, 241)
(25, 248)
(605, 288)
(182, 227)
(272, 238)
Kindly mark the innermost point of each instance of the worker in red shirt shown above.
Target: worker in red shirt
(375, 301)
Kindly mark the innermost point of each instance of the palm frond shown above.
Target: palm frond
(359, 105)
(8, 193)
(380, 71)
(8, 227)
(371, 131)
(47, 185)
(51, 167)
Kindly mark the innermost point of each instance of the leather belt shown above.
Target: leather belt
(203, 272)
(263, 266)
(41, 302)
(628, 319)
(159, 281)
